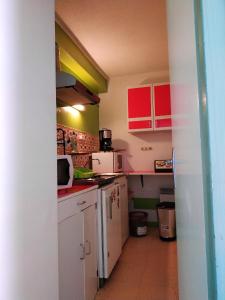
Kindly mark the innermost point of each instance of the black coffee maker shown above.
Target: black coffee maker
(105, 138)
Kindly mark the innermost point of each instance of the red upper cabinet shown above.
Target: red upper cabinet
(149, 108)
(162, 107)
(140, 109)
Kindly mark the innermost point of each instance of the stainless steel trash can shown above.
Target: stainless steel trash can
(167, 220)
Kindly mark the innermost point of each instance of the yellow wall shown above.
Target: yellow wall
(87, 120)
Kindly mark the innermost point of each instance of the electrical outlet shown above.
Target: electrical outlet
(146, 148)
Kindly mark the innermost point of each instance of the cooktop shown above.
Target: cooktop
(100, 180)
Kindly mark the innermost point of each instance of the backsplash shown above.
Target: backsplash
(79, 143)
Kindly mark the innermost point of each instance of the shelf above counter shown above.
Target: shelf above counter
(148, 173)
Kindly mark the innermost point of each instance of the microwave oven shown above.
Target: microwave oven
(64, 171)
(107, 162)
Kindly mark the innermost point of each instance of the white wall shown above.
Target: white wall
(191, 235)
(28, 214)
(113, 115)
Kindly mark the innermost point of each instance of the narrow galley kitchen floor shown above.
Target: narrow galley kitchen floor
(147, 270)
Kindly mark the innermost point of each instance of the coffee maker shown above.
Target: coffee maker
(105, 138)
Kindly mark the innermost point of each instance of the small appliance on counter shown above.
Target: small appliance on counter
(64, 171)
(107, 162)
(105, 139)
(164, 166)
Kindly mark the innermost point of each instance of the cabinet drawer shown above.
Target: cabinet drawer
(163, 124)
(75, 204)
(145, 124)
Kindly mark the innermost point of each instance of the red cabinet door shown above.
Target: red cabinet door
(162, 107)
(140, 108)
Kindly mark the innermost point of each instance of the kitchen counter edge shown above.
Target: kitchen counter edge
(77, 193)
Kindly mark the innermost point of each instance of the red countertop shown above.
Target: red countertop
(73, 189)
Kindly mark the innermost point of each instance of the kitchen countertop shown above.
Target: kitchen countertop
(118, 174)
(75, 190)
(99, 179)
(84, 186)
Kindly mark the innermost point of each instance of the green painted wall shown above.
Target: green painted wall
(75, 62)
(87, 120)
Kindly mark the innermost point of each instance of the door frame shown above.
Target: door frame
(210, 33)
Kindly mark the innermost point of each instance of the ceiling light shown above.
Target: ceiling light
(71, 110)
(79, 107)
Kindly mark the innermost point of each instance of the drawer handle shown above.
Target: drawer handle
(81, 203)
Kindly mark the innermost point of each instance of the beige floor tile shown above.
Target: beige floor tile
(146, 270)
(162, 293)
(156, 293)
(128, 273)
(118, 291)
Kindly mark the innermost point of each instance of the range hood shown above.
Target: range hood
(71, 91)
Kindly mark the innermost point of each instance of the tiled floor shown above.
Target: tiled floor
(147, 270)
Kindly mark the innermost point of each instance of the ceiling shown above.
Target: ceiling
(122, 36)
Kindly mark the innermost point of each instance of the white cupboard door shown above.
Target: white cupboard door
(71, 258)
(90, 242)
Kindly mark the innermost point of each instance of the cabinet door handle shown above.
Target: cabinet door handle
(87, 247)
(81, 203)
(82, 255)
(110, 207)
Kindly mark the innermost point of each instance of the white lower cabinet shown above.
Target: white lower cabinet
(71, 270)
(77, 247)
(90, 244)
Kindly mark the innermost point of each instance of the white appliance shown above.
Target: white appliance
(107, 162)
(109, 229)
(64, 171)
